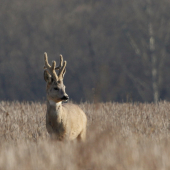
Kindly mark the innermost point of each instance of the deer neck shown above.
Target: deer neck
(54, 107)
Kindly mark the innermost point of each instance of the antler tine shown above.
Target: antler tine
(51, 69)
(62, 71)
(61, 63)
(46, 61)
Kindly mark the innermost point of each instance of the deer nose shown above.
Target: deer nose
(65, 97)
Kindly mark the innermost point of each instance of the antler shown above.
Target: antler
(61, 68)
(52, 68)
(61, 63)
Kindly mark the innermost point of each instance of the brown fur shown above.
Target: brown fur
(63, 121)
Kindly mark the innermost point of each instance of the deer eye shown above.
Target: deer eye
(56, 88)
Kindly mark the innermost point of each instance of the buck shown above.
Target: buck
(63, 121)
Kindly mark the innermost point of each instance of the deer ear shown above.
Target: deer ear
(47, 76)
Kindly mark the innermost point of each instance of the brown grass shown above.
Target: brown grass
(119, 137)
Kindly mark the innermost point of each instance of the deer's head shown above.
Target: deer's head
(55, 88)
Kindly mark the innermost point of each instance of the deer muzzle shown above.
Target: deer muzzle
(65, 97)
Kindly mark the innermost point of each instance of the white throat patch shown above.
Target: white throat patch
(52, 103)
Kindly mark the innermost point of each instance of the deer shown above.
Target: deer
(64, 121)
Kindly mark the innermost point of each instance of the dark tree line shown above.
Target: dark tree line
(116, 50)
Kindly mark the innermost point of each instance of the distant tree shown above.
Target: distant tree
(147, 30)
(116, 51)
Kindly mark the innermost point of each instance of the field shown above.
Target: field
(120, 136)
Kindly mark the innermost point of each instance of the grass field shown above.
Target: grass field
(120, 136)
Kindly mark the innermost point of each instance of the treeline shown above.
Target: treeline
(116, 50)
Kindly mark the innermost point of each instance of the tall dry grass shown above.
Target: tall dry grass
(119, 137)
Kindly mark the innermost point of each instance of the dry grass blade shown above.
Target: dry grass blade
(119, 136)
